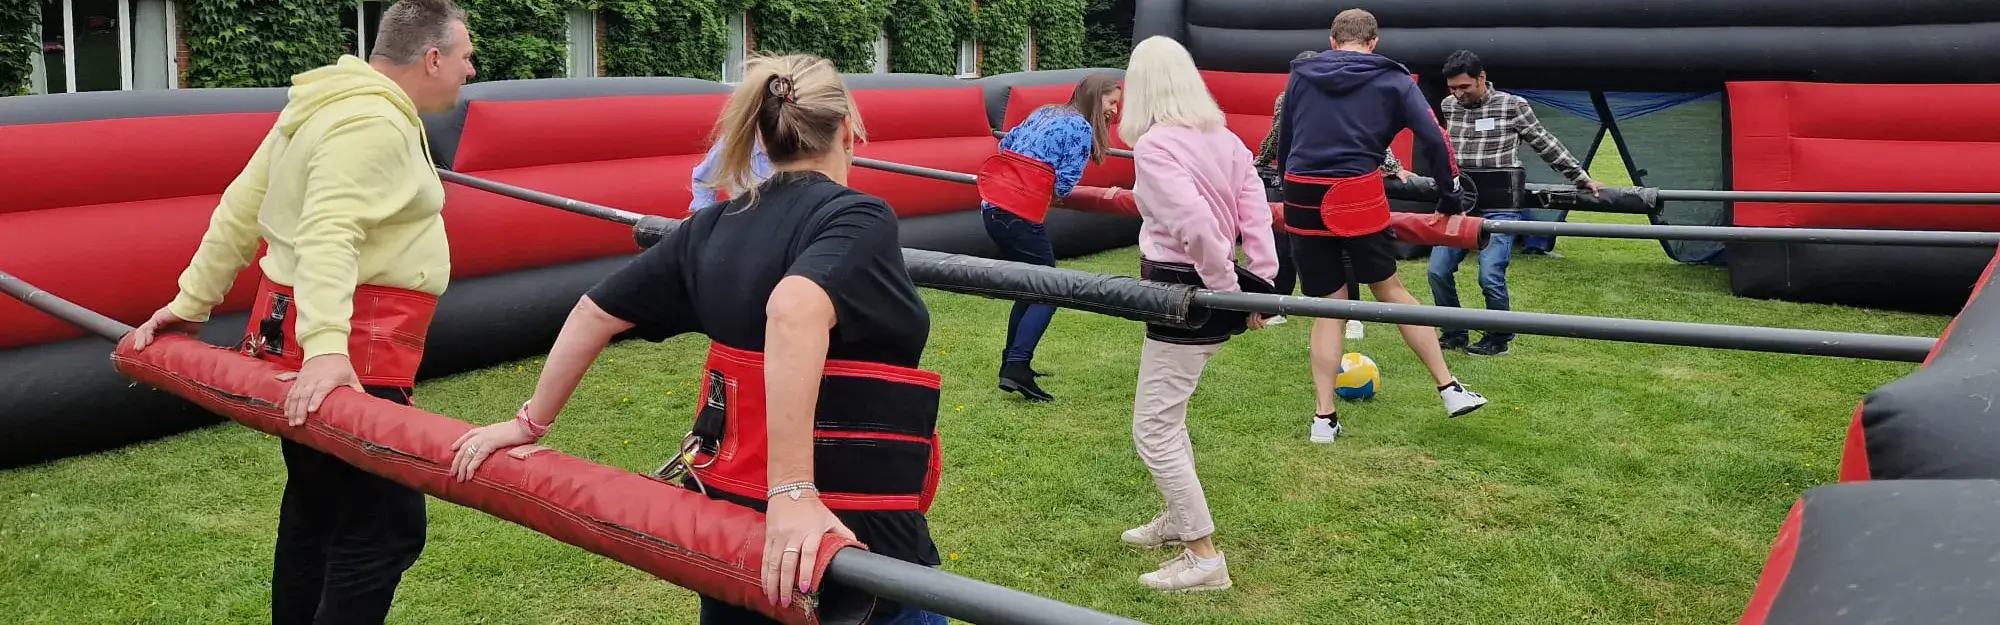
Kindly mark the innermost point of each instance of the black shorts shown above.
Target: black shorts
(1327, 263)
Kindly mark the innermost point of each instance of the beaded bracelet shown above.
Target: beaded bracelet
(794, 488)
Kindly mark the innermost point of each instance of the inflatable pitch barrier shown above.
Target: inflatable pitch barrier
(711, 547)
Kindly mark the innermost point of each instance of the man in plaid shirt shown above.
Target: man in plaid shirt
(1487, 126)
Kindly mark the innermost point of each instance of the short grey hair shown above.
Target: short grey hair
(411, 27)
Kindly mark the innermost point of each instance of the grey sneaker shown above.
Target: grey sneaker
(1183, 574)
(1152, 535)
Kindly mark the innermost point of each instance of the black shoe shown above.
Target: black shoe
(1032, 371)
(1487, 346)
(1018, 377)
(1452, 342)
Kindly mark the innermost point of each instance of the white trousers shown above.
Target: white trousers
(1168, 374)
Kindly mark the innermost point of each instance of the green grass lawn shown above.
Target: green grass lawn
(1606, 482)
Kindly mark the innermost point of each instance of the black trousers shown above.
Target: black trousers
(345, 537)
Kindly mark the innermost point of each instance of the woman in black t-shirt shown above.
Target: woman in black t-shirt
(813, 408)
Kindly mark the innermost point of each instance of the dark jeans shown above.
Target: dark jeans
(1022, 241)
(1493, 261)
(345, 537)
(715, 612)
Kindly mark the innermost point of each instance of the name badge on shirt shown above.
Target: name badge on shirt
(1483, 124)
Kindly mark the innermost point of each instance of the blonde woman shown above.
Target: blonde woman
(799, 286)
(1198, 194)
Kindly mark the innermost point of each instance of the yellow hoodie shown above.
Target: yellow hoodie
(344, 193)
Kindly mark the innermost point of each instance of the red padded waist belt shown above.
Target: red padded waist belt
(385, 339)
(1018, 184)
(1345, 207)
(875, 443)
(711, 547)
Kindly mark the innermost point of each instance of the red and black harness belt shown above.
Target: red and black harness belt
(875, 443)
(1017, 183)
(712, 547)
(385, 340)
(1335, 207)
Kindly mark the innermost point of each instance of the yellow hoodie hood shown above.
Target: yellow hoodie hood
(350, 77)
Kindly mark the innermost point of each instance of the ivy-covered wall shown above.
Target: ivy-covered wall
(20, 40)
(259, 43)
(263, 43)
(1107, 39)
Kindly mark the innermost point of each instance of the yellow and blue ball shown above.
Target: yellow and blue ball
(1358, 377)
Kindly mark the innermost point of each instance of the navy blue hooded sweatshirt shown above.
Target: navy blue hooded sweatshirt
(1342, 109)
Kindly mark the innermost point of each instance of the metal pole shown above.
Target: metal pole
(1745, 338)
(580, 207)
(914, 170)
(952, 595)
(104, 327)
(1725, 233)
(961, 598)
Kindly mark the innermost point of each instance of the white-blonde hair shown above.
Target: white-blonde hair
(1162, 86)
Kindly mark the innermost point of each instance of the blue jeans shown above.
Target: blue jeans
(1022, 241)
(1493, 261)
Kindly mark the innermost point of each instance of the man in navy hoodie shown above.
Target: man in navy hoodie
(1342, 107)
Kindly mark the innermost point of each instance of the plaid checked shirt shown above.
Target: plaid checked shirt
(1489, 136)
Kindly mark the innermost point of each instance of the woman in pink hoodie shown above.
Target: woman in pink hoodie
(1198, 194)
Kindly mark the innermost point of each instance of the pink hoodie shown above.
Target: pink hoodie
(1197, 192)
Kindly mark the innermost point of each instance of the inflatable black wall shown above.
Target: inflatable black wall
(1634, 45)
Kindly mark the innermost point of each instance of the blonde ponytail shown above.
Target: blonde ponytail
(795, 104)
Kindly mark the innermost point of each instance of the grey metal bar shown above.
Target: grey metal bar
(580, 207)
(952, 595)
(1745, 338)
(1728, 233)
(91, 321)
(914, 170)
(960, 598)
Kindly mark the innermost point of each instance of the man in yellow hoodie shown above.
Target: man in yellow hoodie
(344, 194)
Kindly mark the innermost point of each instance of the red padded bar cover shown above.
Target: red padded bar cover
(712, 547)
(1095, 200)
(1776, 567)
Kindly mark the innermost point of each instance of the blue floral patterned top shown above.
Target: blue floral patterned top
(1057, 136)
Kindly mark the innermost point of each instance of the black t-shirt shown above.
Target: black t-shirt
(715, 273)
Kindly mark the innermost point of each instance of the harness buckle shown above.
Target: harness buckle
(683, 464)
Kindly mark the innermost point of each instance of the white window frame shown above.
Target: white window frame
(968, 58)
(739, 48)
(882, 50)
(1028, 51)
(39, 71)
(581, 56)
(361, 29)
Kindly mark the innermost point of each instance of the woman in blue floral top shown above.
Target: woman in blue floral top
(1040, 162)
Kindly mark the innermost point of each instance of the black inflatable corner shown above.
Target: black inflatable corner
(1934, 280)
(69, 398)
(1904, 551)
(1943, 422)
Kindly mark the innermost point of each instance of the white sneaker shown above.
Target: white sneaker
(1185, 573)
(1354, 331)
(1324, 430)
(1274, 321)
(1152, 535)
(1458, 401)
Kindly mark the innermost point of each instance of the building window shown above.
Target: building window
(361, 24)
(739, 49)
(105, 45)
(1028, 51)
(882, 51)
(582, 43)
(968, 59)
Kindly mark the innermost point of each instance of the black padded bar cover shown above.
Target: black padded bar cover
(1898, 551)
(1941, 422)
(1629, 200)
(1272, 14)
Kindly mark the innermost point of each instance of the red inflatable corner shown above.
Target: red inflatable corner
(712, 547)
(1776, 567)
